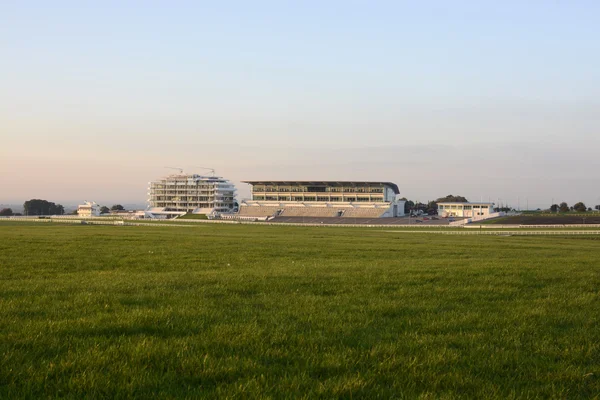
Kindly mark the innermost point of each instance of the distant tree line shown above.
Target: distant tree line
(579, 207)
(42, 207)
(431, 207)
(7, 212)
(115, 207)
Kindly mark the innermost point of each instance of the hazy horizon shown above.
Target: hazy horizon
(489, 101)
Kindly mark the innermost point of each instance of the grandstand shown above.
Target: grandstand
(325, 199)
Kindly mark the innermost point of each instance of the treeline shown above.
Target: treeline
(8, 212)
(42, 207)
(45, 207)
(36, 207)
(579, 207)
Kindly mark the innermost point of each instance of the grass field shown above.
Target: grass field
(547, 219)
(241, 311)
(193, 216)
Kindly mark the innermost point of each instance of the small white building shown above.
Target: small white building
(465, 209)
(88, 209)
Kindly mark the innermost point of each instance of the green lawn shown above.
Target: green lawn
(244, 311)
(193, 216)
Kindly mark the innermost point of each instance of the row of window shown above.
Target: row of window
(458, 207)
(189, 187)
(294, 189)
(313, 198)
(190, 200)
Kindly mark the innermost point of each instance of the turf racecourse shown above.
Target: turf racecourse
(244, 311)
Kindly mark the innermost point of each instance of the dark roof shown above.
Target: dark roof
(392, 185)
(466, 203)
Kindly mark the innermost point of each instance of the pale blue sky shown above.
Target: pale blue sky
(484, 99)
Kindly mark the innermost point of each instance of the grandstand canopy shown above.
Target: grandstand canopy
(391, 185)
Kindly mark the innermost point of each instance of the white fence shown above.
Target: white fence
(477, 218)
(472, 230)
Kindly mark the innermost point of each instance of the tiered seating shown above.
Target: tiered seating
(310, 212)
(258, 211)
(364, 212)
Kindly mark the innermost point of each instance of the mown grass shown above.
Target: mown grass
(193, 216)
(291, 312)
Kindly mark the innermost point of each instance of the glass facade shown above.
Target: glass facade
(323, 191)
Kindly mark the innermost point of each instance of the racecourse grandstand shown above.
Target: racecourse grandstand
(326, 199)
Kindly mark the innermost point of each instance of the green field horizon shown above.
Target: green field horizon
(250, 311)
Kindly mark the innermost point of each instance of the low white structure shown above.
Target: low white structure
(88, 209)
(465, 210)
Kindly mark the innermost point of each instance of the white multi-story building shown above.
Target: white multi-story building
(88, 209)
(190, 193)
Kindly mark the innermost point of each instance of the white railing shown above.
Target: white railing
(477, 218)
(443, 229)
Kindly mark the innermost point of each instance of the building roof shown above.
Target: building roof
(465, 203)
(392, 185)
(191, 176)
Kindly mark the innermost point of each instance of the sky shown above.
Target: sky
(490, 100)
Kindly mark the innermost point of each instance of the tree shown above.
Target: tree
(432, 208)
(56, 209)
(597, 207)
(408, 205)
(580, 207)
(6, 212)
(117, 207)
(554, 208)
(104, 210)
(452, 199)
(42, 207)
(563, 207)
(420, 207)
